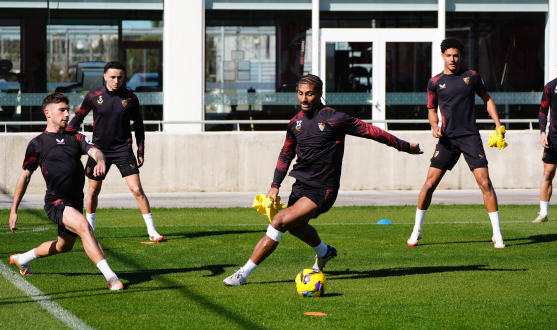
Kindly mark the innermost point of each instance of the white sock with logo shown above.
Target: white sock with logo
(27, 257)
(544, 207)
(321, 249)
(248, 268)
(150, 224)
(91, 219)
(105, 269)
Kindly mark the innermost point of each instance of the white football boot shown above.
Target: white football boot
(414, 238)
(541, 218)
(498, 242)
(236, 279)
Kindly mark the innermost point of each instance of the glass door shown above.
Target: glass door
(369, 72)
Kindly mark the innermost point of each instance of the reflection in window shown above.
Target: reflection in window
(68, 45)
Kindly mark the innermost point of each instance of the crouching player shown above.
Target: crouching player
(59, 157)
(316, 136)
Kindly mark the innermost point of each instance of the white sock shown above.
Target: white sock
(494, 217)
(27, 257)
(321, 249)
(544, 207)
(420, 215)
(248, 268)
(91, 219)
(150, 224)
(105, 269)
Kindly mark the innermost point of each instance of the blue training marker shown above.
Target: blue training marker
(384, 222)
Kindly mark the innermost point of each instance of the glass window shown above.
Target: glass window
(253, 61)
(507, 50)
(408, 66)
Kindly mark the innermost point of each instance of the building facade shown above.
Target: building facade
(230, 60)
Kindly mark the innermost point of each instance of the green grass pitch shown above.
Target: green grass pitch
(453, 279)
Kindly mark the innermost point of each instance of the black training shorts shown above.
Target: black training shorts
(323, 198)
(126, 164)
(448, 150)
(55, 212)
(550, 154)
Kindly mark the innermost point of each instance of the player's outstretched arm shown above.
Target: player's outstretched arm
(98, 156)
(20, 189)
(414, 149)
(434, 122)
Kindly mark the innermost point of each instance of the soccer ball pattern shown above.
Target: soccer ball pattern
(311, 282)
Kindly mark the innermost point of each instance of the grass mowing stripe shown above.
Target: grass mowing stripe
(45, 301)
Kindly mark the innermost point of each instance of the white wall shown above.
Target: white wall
(246, 162)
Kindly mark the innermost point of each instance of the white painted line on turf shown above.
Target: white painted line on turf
(45, 301)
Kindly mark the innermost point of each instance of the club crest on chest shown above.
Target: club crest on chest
(466, 80)
(124, 102)
(100, 100)
(321, 126)
(298, 125)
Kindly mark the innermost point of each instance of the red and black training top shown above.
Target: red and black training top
(59, 156)
(549, 100)
(317, 140)
(454, 94)
(112, 112)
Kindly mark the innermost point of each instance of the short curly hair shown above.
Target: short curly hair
(452, 43)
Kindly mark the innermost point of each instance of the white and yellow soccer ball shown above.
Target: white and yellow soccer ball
(311, 282)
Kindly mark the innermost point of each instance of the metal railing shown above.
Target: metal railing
(237, 122)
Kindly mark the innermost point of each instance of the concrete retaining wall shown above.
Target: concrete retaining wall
(246, 162)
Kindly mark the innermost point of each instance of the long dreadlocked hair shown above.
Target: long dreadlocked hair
(313, 80)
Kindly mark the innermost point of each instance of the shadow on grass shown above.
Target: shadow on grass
(176, 236)
(208, 234)
(395, 272)
(211, 306)
(535, 239)
(24, 299)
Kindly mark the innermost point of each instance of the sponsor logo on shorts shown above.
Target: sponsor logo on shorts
(544, 152)
(124, 102)
(482, 156)
(442, 86)
(555, 90)
(298, 125)
(132, 165)
(100, 100)
(436, 153)
(88, 169)
(321, 126)
(466, 80)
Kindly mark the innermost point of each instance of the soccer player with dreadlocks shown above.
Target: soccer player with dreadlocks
(316, 136)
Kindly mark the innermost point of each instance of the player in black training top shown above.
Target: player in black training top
(453, 91)
(58, 154)
(549, 159)
(316, 136)
(113, 107)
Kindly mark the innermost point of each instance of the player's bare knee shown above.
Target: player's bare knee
(278, 223)
(138, 192)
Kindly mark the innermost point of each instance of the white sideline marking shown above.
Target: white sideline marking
(45, 301)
